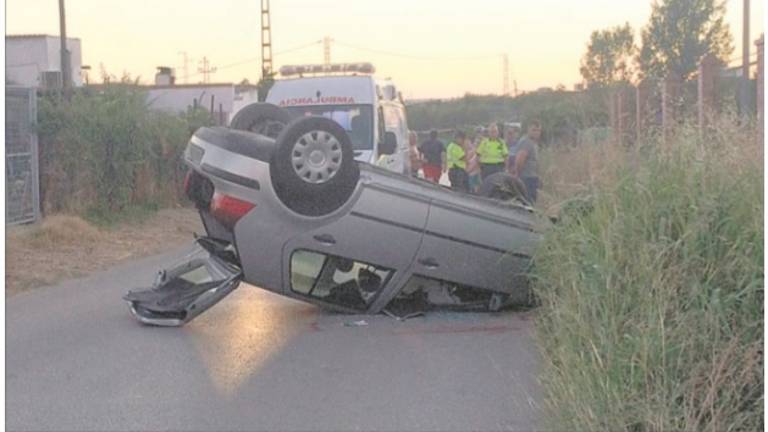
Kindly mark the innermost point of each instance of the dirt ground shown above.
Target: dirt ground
(67, 247)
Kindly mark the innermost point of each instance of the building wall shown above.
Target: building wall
(75, 56)
(179, 98)
(28, 57)
(25, 60)
(244, 99)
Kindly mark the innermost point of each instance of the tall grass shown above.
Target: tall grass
(652, 300)
(106, 151)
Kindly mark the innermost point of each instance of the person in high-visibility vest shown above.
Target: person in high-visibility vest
(492, 153)
(456, 153)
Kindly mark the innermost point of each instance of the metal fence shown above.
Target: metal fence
(22, 189)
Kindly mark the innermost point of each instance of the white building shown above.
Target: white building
(220, 99)
(35, 60)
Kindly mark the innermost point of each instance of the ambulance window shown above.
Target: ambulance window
(382, 128)
(392, 118)
(357, 120)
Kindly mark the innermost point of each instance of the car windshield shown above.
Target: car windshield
(357, 120)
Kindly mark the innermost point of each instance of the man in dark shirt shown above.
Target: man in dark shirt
(433, 154)
(526, 165)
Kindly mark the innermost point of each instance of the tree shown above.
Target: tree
(609, 56)
(264, 85)
(679, 33)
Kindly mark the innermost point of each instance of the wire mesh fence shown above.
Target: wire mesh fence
(22, 194)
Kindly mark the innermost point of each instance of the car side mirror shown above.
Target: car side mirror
(389, 145)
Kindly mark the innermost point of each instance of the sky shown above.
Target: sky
(430, 48)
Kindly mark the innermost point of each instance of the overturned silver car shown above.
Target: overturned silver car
(287, 208)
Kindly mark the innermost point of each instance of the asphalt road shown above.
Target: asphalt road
(77, 360)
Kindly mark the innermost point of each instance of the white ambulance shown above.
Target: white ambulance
(370, 110)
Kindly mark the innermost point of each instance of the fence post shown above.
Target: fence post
(706, 93)
(670, 98)
(760, 94)
(612, 114)
(641, 109)
(621, 114)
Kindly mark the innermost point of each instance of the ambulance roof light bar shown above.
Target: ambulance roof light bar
(335, 68)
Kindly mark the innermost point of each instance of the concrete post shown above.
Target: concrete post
(670, 99)
(613, 115)
(706, 93)
(760, 94)
(622, 115)
(642, 93)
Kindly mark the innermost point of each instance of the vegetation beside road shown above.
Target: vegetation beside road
(106, 152)
(64, 247)
(562, 113)
(652, 288)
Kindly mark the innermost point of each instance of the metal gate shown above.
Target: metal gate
(22, 191)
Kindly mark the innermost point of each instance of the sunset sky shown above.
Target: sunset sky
(431, 48)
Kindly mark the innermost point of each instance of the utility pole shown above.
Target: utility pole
(186, 66)
(744, 107)
(505, 85)
(266, 41)
(66, 72)
(206, 70)
(327, 50)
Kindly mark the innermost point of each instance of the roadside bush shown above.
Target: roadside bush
(652, 301)
(562, 113)
(105, 150)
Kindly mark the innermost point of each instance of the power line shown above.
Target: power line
(285, 51)
(415, 57)
(206, 69)
(255, 59)
(738, 57)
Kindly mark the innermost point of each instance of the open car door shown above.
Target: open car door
(181, 293)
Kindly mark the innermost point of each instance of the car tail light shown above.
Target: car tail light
(228, 210)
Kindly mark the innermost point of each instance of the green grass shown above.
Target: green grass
(652, 302)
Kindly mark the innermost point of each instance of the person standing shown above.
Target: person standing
(433, 157)
(527, 160)
(473, 166)
(456, 154)
(413, 152)
(511, 138)
(492, 153)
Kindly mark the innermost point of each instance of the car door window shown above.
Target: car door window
(337, 280)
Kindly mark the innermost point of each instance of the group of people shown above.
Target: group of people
(469, 161)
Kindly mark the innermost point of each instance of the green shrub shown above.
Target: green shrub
(106, 150)
(562, 113)
(652, 302)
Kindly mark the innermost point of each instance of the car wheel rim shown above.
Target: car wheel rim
(316, 157)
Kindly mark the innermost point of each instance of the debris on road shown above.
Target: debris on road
(404, 317)
(361, 323)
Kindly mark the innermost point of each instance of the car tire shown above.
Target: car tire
(313, 169)
(504, 187)
(261, 118)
